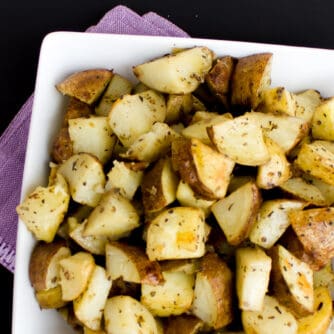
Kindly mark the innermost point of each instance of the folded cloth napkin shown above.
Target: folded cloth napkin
(119, 20)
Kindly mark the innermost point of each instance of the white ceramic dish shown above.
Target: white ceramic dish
(63, 53)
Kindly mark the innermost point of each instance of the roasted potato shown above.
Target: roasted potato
(178, 106)
(50, 298)
(186, 324)
(323, 120)
(306, 102)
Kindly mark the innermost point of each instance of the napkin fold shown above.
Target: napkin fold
(119, 20)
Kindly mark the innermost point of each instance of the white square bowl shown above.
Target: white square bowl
(62, 53)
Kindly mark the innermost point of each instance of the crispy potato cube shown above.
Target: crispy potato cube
(86, 86)
(189, 158)
(300, 189)
(219, 79)
(292, 282)
(126, 177)
(272, 318)
(89, 306)
(307, 101)
(187, 197)
(275, 171)
(75, 109)
(43, 265)
(50, 298)
(272, 221)
(132, 264)
(44, 209)
(114, 217)
(92, 135)
(241, 139)
(177, 233)
(237, 212)
(252, 277)
(117, 87)
(173, 296)
(179, 73)
(124, 315)
(85, 176)
(198, 129)
(323, 120)
(277, 100)
(133, 115)
(252, 75)
(151, 145)
(213, 292)
(315, 230)
(159, 186)
(185, 324)
(286, 131)
(75, 272)
(319, 321)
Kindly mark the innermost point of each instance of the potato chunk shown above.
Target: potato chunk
(86, 86)
(178, 73)
(323, 120)
(185, 324)
(307, 101)
(177, 233)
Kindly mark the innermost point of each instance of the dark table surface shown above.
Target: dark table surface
(23, 24)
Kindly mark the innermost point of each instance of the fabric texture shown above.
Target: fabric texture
(119, 20)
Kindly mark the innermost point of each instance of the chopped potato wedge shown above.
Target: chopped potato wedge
(323, 120)
(50, 298)
(159, 186)
(292, 282)
(275, 171)
(117, 87)
(173, 296)
(319, 321)
(133, 115)
(126, 177)
(237, 212)
(85, 176)
(299, 188)
(327, 190)
(285, 130)
(179, 73)
(185, 324)
(86, 86)
(253, 268)
(272, 221)
(92, 135)
(75, 272)
(187, 266)
(124, 315)
(132, 264)
(51, 204)
(241, 139)
(178, 106)
(114, 217)
(278, 100)
(152, 145)
(177, 233)
(43, 265)
(315, 230)
(89, 306)
(306, 102)
(198, 129)
(273, 318)
(252, 75)
(189, 157)
(213, 292)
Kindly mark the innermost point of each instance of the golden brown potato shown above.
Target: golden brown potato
(86, 86)
(62, 148)
(50, 298)
(187, 266)
(75, 109)
(213, 292)
(219, 78)
(315, 230)
(237, 212)
(159, 186)
(185, 324)
(189, 157)
(292, 282)
(132, 264)
(307, 101)
(43, 265)
(323, 121)
(252, 75)
(178, 106)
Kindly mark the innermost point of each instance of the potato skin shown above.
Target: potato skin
(39, 260)
(185, 324)
(62, 148)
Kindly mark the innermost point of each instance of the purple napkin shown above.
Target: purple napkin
(119, 20)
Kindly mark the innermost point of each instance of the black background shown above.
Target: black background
(23, 24)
